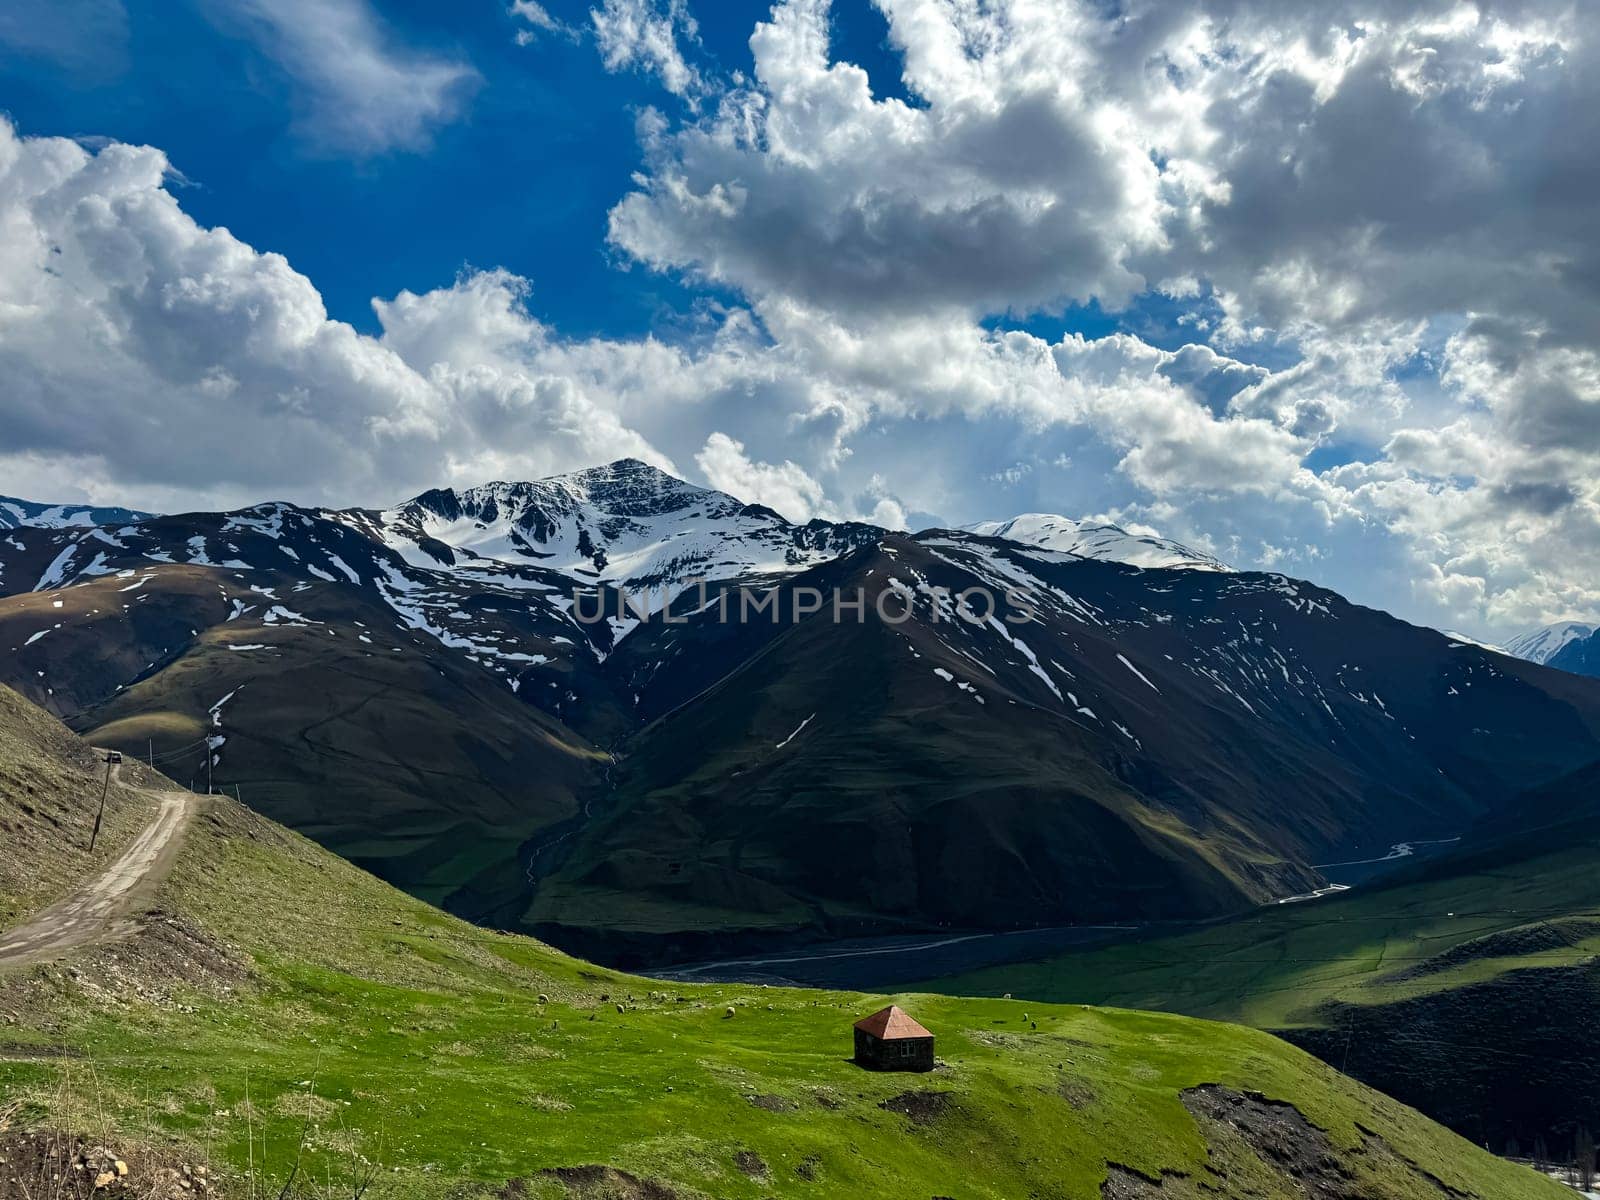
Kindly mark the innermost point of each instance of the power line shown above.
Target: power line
(187, 748)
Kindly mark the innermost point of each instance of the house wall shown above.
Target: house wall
(902, 1054)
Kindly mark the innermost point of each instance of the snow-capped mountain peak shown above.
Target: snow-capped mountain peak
(1541, 645)
(626, 523)
(1098, 540)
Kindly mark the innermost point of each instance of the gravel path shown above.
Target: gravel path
(105, 906)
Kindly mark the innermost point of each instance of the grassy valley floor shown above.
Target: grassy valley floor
(1468, 989)
(279, 990)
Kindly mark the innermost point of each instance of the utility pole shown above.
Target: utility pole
(99, 816)
(150, 747)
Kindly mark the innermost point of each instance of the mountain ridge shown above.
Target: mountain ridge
(1193, 727)
(1133, 741)
(544, 522)
(626, 523)
(15, 512)
(1098, 540)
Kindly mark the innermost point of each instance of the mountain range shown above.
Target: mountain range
(14, 512)
(528, 703)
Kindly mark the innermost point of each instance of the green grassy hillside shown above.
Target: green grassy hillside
(329, 714)
(279, 990)
(50, 787)
(1467, 987)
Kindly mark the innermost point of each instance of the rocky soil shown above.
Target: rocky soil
(47, 1164)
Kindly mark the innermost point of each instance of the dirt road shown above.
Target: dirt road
(105, 906)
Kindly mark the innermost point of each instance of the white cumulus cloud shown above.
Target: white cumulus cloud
(1373, 219)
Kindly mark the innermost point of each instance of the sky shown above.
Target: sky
(1313, 285)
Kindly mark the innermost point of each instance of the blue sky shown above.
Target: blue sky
(1303, 284)
(522, 181)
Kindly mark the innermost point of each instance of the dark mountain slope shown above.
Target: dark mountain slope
(320, 700)
(1149, 743)
(834, 781)
(1581, 656)
(1564, 810)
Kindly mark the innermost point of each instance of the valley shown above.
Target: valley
(808, 600)
(1464, 984)
(276, 1013)
(526, 706)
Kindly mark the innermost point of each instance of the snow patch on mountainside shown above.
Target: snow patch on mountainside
(1457, 638)
(1097, 540)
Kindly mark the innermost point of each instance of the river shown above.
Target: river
(884, 964)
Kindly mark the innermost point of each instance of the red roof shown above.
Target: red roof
(892, 1024)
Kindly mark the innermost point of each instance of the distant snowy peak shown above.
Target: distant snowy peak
(1541, 645)
(14, 513)
(1098, 540)
(625, 523)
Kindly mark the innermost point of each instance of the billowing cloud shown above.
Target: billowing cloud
(1372, 219)
(358, 91)
(803, 184)
(1394, 196)
(785, 487)
(132, 336)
